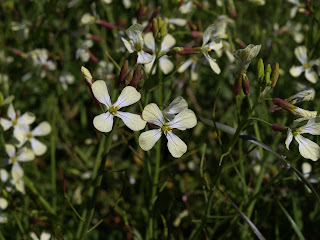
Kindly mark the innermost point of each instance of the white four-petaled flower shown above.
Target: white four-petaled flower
(309, 73)
(128, 96)
(25, 134)
(165, 64)
(135, 43)
(182, 121)
(307, 148)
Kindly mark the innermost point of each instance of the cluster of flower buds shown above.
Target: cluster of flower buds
(159, 29)
(134, 77)
(267, 77)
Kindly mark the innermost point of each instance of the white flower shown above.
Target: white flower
(43, 236)
(127, 3)
(83, 51)
(66, 79)
(40, 58)
(128, 96)
(307, 148)
(135, 43)
(24, 134)
(183, 120)
(295, 8)
(3, 203)
(245, 56)
(214, 32)
(87, 18)
(306, 95)
(168, 42)
(309, 73)
(175, 21)
(186, 7)
(16, 121)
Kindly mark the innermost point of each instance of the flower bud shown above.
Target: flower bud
(237, 85)
(245, 84)
(164, 30)
(105, 24)
(93, 58)
(174, 51)
(275, 75)
(128, 78)
(86, 73)
(160, 22)
(260, 69)
(155, 14)
(284, 105)
(136, 77)
(268, 73)
(123, 71)
(139, 12)
(278, 128)
(141, 83)
(155, 27)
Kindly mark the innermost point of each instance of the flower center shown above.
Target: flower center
(296, 132)
(113, 109)
(14, 122)
(13, 159)
(306, 65)
(29, 135)
(166, 128)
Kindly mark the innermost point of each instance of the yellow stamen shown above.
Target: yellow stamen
(166, 128)
(113, 109)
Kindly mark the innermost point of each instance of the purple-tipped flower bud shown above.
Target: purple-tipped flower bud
(155, 14)
(136, 77)
(237, 86)
(245, 84)
(139, 12)
(128, 77)
(123, 71)
(279, 128)
(284, 105)
(105, 24)
(275, 75)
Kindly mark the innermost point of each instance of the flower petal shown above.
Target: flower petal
(27, 118)
(184, 120)
(149, 41)
(132, 121)
(10, 149)
(5, 124)
(185, 65)
(133, 30)
(149, 138)
(103, 122)
(207, 34)
(312, 127)
(166, 65)
(100, 92)
(307, 148)
(11, 112)
(128, 96)
(301, 54)
(38, 147)
(178, 21)
(176, 106)
(4, 175)
(16, 172)
(3, 203)
(25, 155)
(144, 57)
(214, 66)
(289, 138)
(128, 45)
(175, 145)
(42, 129)
(152, 114)
(296, 71)
(311, 76)
(168, 42)
(149, 65)
(215, 45)
(45, 236)
(306, 169)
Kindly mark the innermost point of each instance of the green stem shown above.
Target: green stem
(53, 157)
(97, 184)
(45, 204)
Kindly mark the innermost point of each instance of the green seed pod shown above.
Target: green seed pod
(275, 75)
